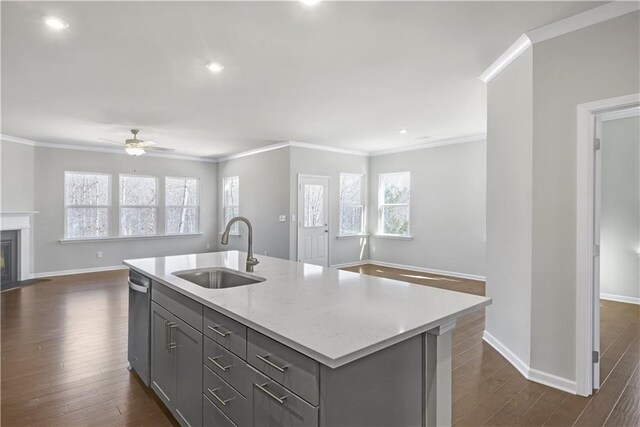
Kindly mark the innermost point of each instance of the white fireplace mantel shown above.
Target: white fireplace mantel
(20, 221)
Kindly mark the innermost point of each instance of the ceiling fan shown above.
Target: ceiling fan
(137, 147)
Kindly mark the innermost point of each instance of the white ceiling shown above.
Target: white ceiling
(344, 74)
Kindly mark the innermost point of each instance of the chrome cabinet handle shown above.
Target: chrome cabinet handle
(166, 334)
(263, 389)
(223, 402)
(213, 360)
(266, 360)
(214, 329)
(172, 344)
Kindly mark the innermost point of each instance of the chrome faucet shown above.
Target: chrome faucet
(251, 261)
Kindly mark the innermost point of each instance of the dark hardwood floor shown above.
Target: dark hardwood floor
(64, 358)
(487, 390)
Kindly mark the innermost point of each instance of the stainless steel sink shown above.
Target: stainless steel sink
(218, 277)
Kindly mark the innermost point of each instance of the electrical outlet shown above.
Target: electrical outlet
(208, 246)
(293, 218)
(266, 252)
(283, 218)
(99, 254)
(373, 248)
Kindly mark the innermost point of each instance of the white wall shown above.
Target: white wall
(17, 174)
(327, 163)
(620, 219)
(447, 210)
(264, 196)
(598, 62)
(50, 165)
(509, 206)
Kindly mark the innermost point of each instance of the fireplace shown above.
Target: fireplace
(9, 257)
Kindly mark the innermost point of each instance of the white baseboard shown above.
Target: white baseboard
(351, 264)
(620, 298)
(529, 373)
(428, 270)
(79, 271)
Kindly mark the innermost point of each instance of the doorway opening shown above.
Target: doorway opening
(608, 189)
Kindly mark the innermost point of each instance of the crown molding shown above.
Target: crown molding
(555, 29)
(329, 148)
(39, 144)
(440, 142)
(271, 147)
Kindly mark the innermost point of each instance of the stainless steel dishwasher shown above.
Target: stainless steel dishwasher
(139, 324)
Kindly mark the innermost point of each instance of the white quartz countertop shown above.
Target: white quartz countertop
(330, 315)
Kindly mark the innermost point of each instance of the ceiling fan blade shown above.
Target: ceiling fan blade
(147, 143)
(159, 149)
(111, 141)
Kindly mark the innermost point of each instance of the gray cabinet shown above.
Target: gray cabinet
(176, 365)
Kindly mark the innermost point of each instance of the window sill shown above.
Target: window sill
(393, 236)
(118, 238)
(351, 236)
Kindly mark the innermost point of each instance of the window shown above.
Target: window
(87, 199)
(393, 203)
(138, 205)
(231, 201)
(182, 205)
(351, 204)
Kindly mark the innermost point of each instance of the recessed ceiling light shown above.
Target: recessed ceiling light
(403, 131)
(214, 67)
(55, 23)
(310, 2)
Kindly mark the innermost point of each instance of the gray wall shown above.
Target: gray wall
(17, 173)
(264, 195)
(50, 165)
(326, 163)
(509, 206)
(620, 219)
(448, 187)
(598, 62)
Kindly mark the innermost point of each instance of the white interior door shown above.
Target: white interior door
(597, 186)
(313, 220)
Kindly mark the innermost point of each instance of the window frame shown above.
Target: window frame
(382, 205)
(67, 207)
(120, 205)
(363, 204)
(167, 206)
(235, 228)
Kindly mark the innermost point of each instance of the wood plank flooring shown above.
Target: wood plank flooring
(487, 390)
(64, 358)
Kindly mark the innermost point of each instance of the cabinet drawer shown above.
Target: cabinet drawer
(185, 308)
(288, 367)
(226, 332)
(214, 417)
(228, 366)
(275, 406)
(229, 401)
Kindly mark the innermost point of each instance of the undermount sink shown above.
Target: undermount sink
(218, 277)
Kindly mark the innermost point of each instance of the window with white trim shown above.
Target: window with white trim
(394, 194)
(351, 204)
(182, 205)
(138, 205)
(87, 199)
(231, 201)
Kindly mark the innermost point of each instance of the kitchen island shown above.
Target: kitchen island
(306, 345)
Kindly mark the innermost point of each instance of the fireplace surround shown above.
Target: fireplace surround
(20, 223)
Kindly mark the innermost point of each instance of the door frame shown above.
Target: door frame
(300, 214)
(587, 302)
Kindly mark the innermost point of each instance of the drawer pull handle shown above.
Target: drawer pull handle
(222, 401)
(263, 389)
(214, 329)
(213, 360)
(266, 360)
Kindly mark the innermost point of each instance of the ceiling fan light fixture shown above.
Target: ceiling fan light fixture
(134, 151)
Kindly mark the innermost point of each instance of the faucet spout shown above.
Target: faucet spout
(251, 260)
